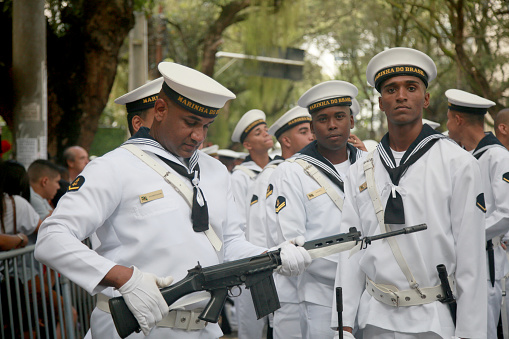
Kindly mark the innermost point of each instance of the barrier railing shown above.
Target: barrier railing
(40, 303)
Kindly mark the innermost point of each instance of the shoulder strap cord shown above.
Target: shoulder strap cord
(177, 184)
(314, 173)
(246, 170)
(375, 198)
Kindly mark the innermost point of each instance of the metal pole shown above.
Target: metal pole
(66, 294)
(138, 52)
(29, 81)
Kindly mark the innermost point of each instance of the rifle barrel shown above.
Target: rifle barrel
(404, 230)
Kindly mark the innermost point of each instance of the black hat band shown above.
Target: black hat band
(337, 101)
(190, 105)
(250, 128)
(393, 71)
(141, 104)
(292, 123)
(469, 110)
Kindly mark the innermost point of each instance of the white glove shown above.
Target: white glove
(346, 335)
(294, 259)
(142, 296)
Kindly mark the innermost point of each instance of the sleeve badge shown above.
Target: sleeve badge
(270, 190)
(280, 203)
(505, 177)
(254, 199)
(480, 202)
(77, 183)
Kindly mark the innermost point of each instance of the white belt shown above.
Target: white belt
(181, 319)
(390, 295)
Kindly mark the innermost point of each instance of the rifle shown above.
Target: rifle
(254, 272)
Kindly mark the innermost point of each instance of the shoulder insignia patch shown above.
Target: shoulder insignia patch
(280, 203)
(480, 202)
(505, 177)
(270, 190)
(254, 199)
(77, 183)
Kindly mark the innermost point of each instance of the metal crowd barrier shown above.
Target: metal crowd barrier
(40, 303)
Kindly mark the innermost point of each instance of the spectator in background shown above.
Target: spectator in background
(16, 181)
(64, 185)
(44, 177)
(502, 127)
(75, 159)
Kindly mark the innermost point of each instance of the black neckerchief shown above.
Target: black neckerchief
(394, 210)
(310, 154)
(487, 142)
(199, 210)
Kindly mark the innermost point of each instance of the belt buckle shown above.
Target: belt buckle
(395, 299)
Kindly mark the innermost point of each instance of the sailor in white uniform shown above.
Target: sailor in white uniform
(293, 132)
(414, 176)
(308, 195)
(151, 234)
(466, 126)
(252, 132)
(139, 104)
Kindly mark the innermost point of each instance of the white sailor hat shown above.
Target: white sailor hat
(432, 124)
(247, 123)
(400, 61)
(193, 90)
(355, 108)
(228, 153)
(210, 150)
(328, 94)
(292, 118)
(461, 101)
(141, 98)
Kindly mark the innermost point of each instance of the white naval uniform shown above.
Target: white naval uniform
(312, 218)
(439, 189)
(242, 185)
(156, 236)
(256, 228)
(494, 163)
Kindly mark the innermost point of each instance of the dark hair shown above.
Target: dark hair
(142, 114)
(13, 181)
(40, 168)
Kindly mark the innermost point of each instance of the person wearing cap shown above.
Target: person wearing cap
(415, 176)
(307, 196)
(139, 104)
(466, 126)
(228, 158)
(502, 126)
(293, 132)
(211, 150)
(151, 234)
(251, 131)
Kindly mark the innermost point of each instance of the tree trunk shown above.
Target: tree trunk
(82, 66)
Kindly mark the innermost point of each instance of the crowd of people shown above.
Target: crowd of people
(160, 203)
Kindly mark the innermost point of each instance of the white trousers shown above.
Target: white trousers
(373, 332)
(249, 326)
(315, 321)
(287, 322)
(494, 303)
